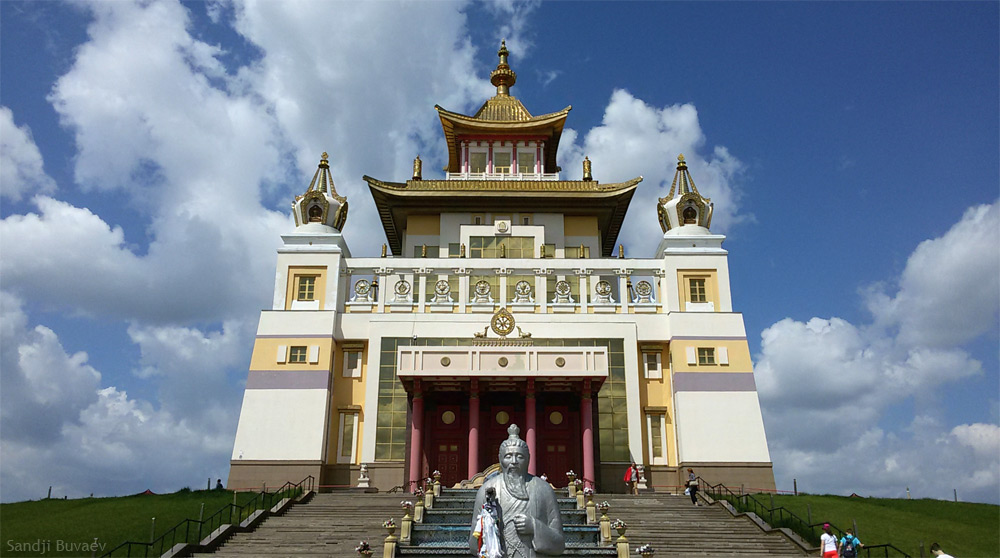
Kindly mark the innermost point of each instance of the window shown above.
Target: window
(297, 354)
(525, 162)
(706, 356)
(454, 250)
(501, 162)
(305, 288)
(547, 251)
(656, 428)
(697, 290)
(477, 161)
(576, 252)
(352, 364)
(348, 434)
(513, 247)
(652, 362)
(432, 251)
(526, 219)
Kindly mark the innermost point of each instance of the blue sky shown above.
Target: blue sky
(150, 151)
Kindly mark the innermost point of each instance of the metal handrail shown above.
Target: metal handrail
(781, 517)
(202, 528)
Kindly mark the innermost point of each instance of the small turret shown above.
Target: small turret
(684, 206)
(320, 206)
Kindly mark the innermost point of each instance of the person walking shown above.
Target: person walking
(849, 545)
(632, 479)
(828, 547)
(692, 487)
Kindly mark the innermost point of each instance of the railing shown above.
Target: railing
(193, 531)
(522, 284)
(781, 517)
(502, 176)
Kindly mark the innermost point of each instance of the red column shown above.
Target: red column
(529, 417)
(587, 422)
(474, 430)
(416, 437)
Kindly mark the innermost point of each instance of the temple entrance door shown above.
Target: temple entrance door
(497, 421)
(557, 443)
(448, 444)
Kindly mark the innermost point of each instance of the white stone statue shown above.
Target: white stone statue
(530, 523)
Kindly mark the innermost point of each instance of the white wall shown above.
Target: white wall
(284, 424)
(721, 426)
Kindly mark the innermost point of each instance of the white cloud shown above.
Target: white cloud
(826, 384)
(21, 169)
(366, 97)
(949, 291)
(60, 427)
(514, 17)
(635, 138)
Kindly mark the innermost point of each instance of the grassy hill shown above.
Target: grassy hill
(65, 525)
(961, 528)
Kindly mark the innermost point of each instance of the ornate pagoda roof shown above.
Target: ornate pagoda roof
(396, 201)
(503, 115)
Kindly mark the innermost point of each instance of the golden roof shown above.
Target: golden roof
(396, 201)
(503, 114)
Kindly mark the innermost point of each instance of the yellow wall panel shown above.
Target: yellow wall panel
(580, 226)
(265, 351)
(320, 290)
(423, 225)
(739, 355)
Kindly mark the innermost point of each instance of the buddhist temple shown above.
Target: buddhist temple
(502, 295)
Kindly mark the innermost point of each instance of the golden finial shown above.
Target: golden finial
(324, 161)
(423, 251)
(383, 250)
(503, 77)
(461, 253)
(681, 165)
(418, 166)
(621, 252)
(586, 169)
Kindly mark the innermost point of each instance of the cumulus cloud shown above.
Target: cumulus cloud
(637, 138)
(825, 384)
(21, 169)
(61, 428)
(515, 17)
(366, 98)
(950, 289)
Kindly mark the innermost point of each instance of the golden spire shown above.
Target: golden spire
(683, 183)
(322, 181)
(503, 77)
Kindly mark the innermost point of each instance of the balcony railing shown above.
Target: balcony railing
(502, 176)
(522, 285)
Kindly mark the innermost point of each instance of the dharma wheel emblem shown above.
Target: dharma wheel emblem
(603, 288)
(502, 322)
(362, 287)
(482, 288)
(562, 288)
(442, 287)
(643, 288)
(522, 288)
(402, 288)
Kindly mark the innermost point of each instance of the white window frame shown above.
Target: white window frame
(340, 438)
(652, 373)
(348, 372)
(662, 418)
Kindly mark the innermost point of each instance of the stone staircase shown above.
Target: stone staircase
(445, 530)
(333, 524)
(675, 527)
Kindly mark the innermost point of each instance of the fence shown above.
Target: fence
(193, 531)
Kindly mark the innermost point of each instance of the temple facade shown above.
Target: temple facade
(501, 296)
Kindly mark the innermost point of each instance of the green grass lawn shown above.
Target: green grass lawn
(962, 529)
(111, 520)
